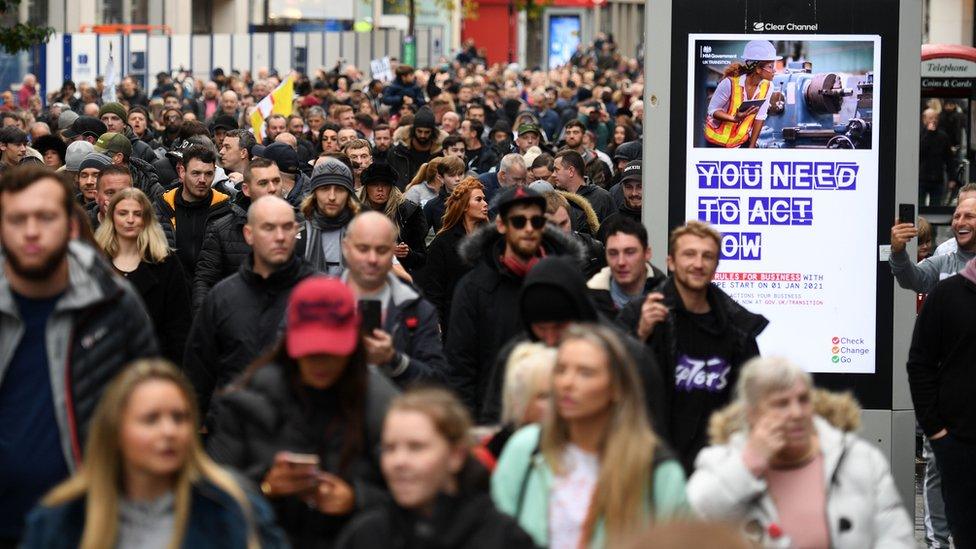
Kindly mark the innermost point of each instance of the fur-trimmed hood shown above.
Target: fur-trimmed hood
(583, 204)
(485, 239)
(840, 410)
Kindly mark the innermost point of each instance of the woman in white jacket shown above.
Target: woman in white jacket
(785, 464)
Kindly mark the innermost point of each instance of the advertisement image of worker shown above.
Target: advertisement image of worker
(794, 93)
(738, 108)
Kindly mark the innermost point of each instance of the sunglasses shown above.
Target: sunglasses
(519, 221)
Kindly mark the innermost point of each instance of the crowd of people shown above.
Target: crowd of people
(421, 313)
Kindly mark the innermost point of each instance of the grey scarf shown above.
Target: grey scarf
(314, 228)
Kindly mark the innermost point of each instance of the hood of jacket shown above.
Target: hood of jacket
(218, 200)
(580, 201)
(601, 280)
(840, 410)
(560, 273)
(484, 242)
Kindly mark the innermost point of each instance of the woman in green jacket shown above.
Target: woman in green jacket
(594, 473)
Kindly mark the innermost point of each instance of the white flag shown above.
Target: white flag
(108, 94)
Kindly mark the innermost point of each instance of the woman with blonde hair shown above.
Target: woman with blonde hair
(466, 210)
(133, 239)
(525, 396)
(438, 489)
(437, 177)
(785, 462)
(146, 482)
(595, 472)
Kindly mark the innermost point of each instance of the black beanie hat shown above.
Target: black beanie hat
(548, 303)
(424, 119)
(379, 172)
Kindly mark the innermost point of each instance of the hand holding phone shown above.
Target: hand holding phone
(291, 474)
(371, 312)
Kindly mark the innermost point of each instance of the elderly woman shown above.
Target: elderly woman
(785, 463)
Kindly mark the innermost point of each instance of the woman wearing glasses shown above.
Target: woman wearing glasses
(737, 110)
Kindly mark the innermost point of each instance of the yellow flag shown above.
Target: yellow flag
(278, 101)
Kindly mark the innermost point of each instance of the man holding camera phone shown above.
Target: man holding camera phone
(923, 277)
(400, 328)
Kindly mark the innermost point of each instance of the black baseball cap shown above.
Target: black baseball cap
(519, 195)
(632, 171)
(225, 122)
(86, 126)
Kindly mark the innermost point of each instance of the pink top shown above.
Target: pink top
(801, 502)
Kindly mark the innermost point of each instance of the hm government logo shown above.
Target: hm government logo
(761, 26)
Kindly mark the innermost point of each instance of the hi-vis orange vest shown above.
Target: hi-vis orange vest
(732, 134)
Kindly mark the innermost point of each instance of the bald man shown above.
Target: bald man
(240, 317)
(403, 340)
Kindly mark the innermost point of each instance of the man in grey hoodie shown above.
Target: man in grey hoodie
(923, 277)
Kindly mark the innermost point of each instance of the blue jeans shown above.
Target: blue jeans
(936, 527)
(955, 459)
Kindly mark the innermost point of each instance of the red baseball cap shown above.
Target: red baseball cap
(322, 318)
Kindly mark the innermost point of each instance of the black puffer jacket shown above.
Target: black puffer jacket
(224, 250)
(443, 271)
(144, 178)
(237, 321)
(274, 413)
(466, 521)
(140, 149)
(98, 327)
(413, 232)
(485, 312)
(165, 292)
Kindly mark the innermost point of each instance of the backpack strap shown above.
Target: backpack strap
(525, 480)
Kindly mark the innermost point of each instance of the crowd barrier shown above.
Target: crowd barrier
(82, 57)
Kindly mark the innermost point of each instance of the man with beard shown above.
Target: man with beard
(484, 311)
(632, 185)
(239, 319)
(224, 247)
(406, 158)
(926, 274)
(68, 324)
(172, 123)
(186, 211)
(699, 335)
(382, 141)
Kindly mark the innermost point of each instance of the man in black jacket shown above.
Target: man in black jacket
(68, 325)
(699, 335)
(186, 211)
(484, 311)
(629, 274)
(406, 158)
(631, 187)
(406, 345)
(942, 383)
(119, 148)
(224, 247)
(240, 318)
(569, 176)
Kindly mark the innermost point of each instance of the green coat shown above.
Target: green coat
(669, 499)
